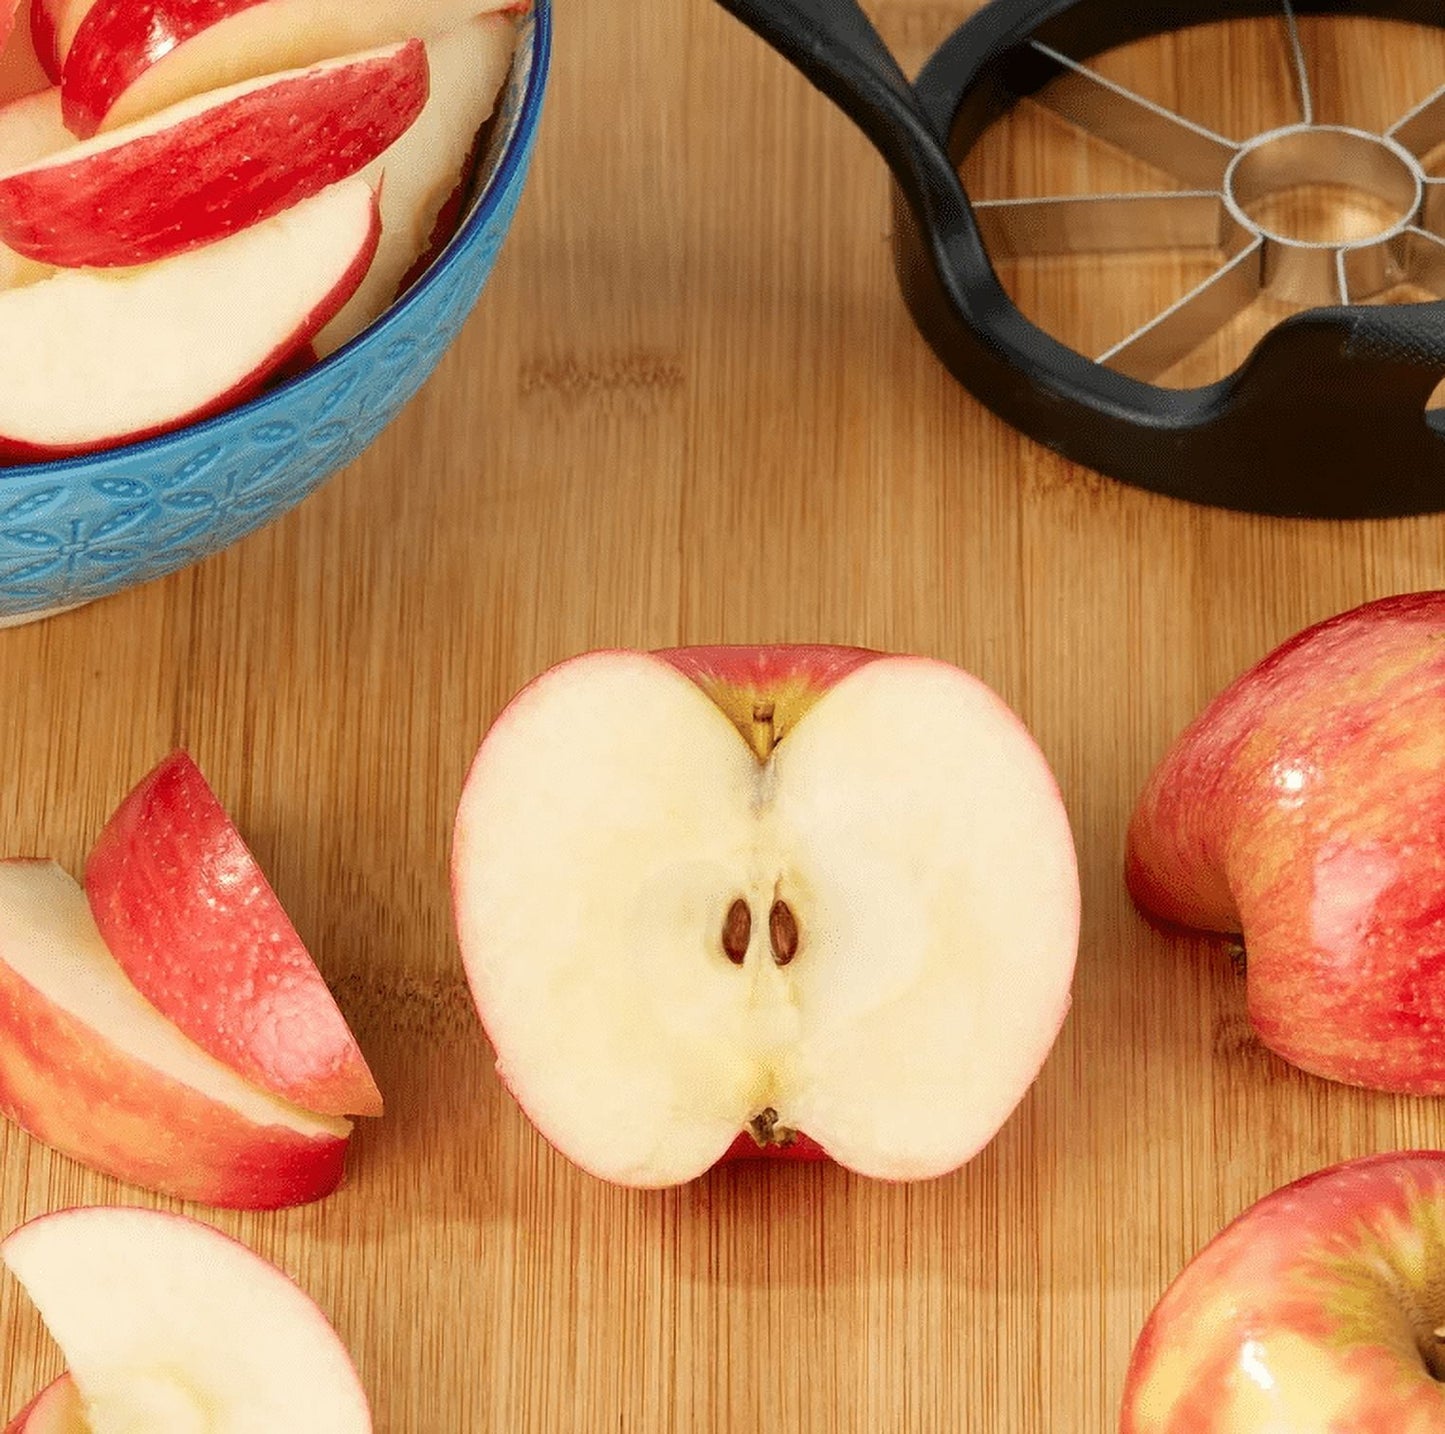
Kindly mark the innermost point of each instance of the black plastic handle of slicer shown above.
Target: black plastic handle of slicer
(1325, 419)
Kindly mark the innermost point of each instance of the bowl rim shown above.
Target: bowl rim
(483, 208)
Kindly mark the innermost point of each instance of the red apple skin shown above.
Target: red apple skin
(66, 1085)
(291, 359)
(1305, 809)
(1292, 1294)
(45, 39)
(56, 1409)
(119, 40)
(162, 191)
(188, 914)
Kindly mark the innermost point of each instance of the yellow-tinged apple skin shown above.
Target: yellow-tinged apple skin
(1313, 1313)
(69, 1087)
(1305, 809)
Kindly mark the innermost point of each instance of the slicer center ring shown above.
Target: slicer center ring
(1327, 203)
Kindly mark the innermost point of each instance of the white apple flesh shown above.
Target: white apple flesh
(88, 1066)
(98, 358)
(205, 169)
(170, 1327)
(125, 59)
(860, 926)
(419, 175)
(57, 1409)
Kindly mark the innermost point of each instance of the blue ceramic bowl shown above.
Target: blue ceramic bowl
(83, 528)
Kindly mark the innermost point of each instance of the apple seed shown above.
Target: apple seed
(737, 931)
(783, 932)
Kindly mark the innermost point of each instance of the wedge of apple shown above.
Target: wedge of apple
(170, 1327)
(205, 169)
(52, 24)
(784, 891)
(423, 176)
(57, 1409)
(129, 58)
(30, 129)
(88, 1066)
(1320, 1310)
(191, 919)
(100, 358)
(21, 72)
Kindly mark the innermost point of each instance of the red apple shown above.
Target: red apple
(190, 917)
(88, 1066)
(57, 1409)
(209, 167)
(52, 27)
(1320, 1310)
(1305, 809)
(129, 58)
(170, 1327)
(786, 891)
(422, 177)
(100, 358)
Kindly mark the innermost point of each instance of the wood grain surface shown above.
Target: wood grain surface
(691, 408)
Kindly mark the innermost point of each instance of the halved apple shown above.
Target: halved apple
(191, 919)
(99, 358)
(170, 1327)
(202, 170)
(57, 1409)
(423, 175)
(88, 1066)
(128, 58)
(788, 891)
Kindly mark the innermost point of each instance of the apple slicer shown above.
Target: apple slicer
(1327, 412)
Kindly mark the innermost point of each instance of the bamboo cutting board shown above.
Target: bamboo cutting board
(691, 408)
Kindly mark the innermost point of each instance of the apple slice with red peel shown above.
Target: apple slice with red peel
(30, 128)
(1305, 809)
(170, 1327)
(101, 358)
(429, 166)
(130, 58)
(787, 891)
(191, 919)
(88, 1066)
(1321, 1309)
(202, 170)
(57, 1409)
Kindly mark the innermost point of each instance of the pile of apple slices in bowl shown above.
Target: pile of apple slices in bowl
(196, 199)
(164, 1024)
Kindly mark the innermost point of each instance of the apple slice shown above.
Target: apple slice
(52, 27)
(101, 358)
(209, 167)
(787, 891)
(1320, 1310)
(423, 176)
(130, 58)
(88, 1066)
(30, 129)
(21, 72)
(170, 1327)
(57, 1409)
(188, 914)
